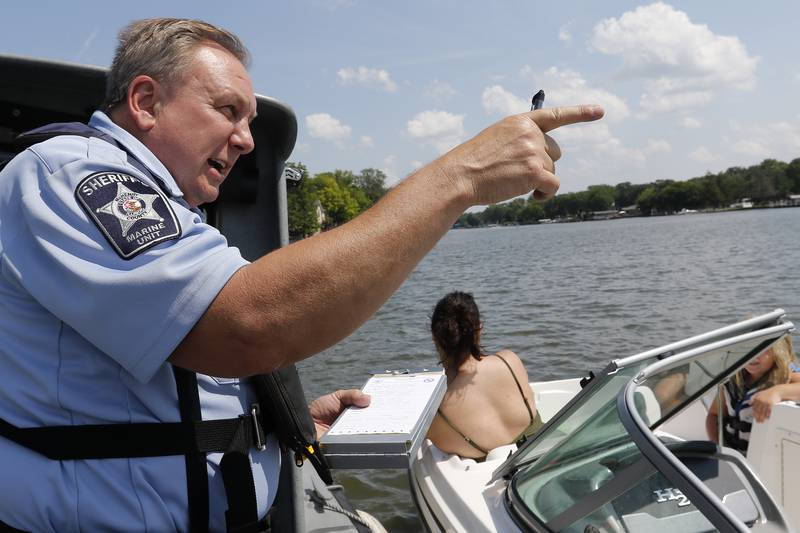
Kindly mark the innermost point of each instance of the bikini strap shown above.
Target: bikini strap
(466, 439)
(527, 405)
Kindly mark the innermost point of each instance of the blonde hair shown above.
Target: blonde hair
(782, 356)
(162, 48)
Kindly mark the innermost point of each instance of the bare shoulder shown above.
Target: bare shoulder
(512, 359)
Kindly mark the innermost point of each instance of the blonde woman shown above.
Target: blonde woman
(770, 378)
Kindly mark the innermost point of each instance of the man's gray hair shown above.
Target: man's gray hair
(162, 48)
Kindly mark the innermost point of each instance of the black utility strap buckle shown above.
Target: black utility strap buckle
(258, 431)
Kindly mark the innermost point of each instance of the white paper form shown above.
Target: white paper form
(397, 403)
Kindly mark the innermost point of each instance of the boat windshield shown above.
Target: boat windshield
(597, 475)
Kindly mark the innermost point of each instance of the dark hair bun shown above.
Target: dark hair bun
(454, 324)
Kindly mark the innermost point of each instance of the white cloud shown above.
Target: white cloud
(703, 155)
(568, 87)
(659, 100)
(681, 61)
(367, 141)
(565, 32)
(301, 149)
(439, 91)
(389, 167)
(691, 123)
(595, 142)
(324, 126)
(440, 129)
(369, 77)
(593, 154)
(655, 146)
(778, 140)
(751, 148)
(498, 100)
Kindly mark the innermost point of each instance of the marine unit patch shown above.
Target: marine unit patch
(131, 214)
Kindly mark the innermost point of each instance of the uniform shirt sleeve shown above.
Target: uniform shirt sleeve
(135, 310)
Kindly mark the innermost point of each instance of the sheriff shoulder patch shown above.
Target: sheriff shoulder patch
(132, 215)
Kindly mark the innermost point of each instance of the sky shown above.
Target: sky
(689, 87)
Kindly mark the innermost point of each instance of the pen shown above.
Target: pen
(537, 100)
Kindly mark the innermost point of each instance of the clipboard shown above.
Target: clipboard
(388, 433)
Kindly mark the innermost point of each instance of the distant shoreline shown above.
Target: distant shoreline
(626, 216)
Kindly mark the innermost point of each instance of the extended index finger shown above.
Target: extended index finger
(554, 117)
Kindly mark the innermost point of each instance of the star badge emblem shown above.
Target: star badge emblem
(129, 207)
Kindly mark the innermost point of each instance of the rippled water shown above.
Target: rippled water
(568, 298)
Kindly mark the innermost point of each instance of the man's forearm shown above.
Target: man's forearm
(325, 286)
(301, 299)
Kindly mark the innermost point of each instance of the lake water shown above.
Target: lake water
(568, 298)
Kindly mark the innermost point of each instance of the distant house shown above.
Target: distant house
(604, 215)
(744, 203)
(631, 211)
(791, 200)
(320, 214)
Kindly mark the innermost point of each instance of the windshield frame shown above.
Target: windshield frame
(769, 327)
(655, 450)
(521, 456)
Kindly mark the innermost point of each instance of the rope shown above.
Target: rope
(320, 500)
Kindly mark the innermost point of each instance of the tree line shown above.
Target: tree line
(769, 181)
(329, 199)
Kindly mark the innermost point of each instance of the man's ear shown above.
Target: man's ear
(143, 100)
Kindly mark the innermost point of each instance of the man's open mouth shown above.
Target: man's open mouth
(219, 166)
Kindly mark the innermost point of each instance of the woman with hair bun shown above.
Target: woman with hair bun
(488, 402)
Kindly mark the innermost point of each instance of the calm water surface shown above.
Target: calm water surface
(568, 298)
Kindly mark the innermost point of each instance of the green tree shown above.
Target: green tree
(345, 178)
(470, 220)
(793, 175)
(599, 198)
(626, 193)
(733, 185)
(708, 192)
(767, 179)
(373, 182)
(646, 200)
(301, 205)
(513, 211)
(531, 213)
(676, 195)
(493, 214)
(335, 198)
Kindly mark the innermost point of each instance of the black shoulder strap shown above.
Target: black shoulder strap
(29, 138)
(35, 136)
(196, 470)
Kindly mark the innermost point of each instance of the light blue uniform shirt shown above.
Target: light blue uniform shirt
(85, 336)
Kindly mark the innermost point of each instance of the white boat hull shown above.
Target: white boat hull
(453, 494)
